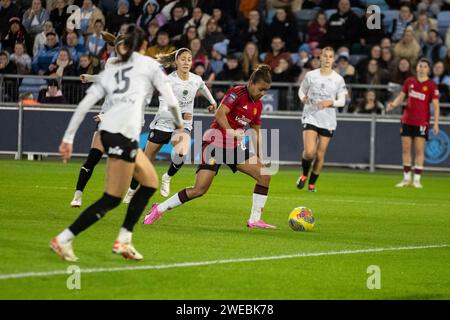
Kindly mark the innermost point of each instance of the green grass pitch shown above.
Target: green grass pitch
(355, 210)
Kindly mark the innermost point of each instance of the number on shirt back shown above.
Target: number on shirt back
(121, 77)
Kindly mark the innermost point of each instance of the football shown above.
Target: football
(301, 219)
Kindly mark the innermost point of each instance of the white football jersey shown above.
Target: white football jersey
(318, 87)
(185, 92)
(128, 86)
(107, 103)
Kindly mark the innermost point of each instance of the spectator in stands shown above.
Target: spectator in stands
(291, 5)
(254, 29)
(199, 20)
(74, 47)
(136, 9)
(175, 26)
(375, 53)
(87, 66)
(283, 72)
(408, 47)
(15, 34)
(59, 16)
(225, 22)
(45, 56)
(119, 17)
(344, 68)
(369, 36)
(27, 98)
(317, 29)
(387, 61)
(152, 33)
(343, 27)
(53, 94)
(278, 52)
(304, 54)
(199, 54)
(442, 79)
(34, 18)
(433, 49)
(370, 104)
(399, 25)
(6, 66)
(402, 72)
(447, 59)
(162, 45)
(107, 6)
(386, 43)
(431, 6)
(87, 15)
(63, 65)
(40, 40)
(245, 7)
(422, 26)
(284, 25)
(212, 36)
(8, 10)
(189, 34)
(312, 64)
(10, 85)
(107, 52)
(150, 12)
(95, 42)
(249, 60)
(200, 70)
(218, 54)
(231, 70)
(21, 59)
(373, 74)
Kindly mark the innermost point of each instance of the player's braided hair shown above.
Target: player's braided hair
(132, 39)
(261, 74)
(168, 60)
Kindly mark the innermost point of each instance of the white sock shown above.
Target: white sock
(259, 201)
(78, 194)
(407, 176)
(131, 190)
(166, 176)
(65, 237)
(172, 202)
(417, 177)
(124, 236)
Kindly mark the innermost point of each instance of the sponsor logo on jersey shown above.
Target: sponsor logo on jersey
(417, 95)
(116, 150)
(437, 148)
(242, 120)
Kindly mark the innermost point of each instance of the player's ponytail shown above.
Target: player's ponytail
(132, 39)
(108, 37)
(168, 60)
(261, 74)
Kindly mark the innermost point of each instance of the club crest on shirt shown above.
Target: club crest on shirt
(255, 111)
(425, 88)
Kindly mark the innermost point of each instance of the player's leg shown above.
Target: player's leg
(203, 179)
(95, 155)
(419, 157)
(151, 150)
(181, 143)
(310, 137)
(322, 147)
(254, 168)
(146, 175)
(118, 176)
(406, 160)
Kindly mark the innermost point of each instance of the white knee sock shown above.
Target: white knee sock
(65, 236)
(259, 201)
(173, 202)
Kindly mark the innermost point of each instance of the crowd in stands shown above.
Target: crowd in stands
(229, 38)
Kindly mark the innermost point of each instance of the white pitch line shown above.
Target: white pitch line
(216, 262)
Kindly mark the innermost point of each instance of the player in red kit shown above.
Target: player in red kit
(223, 144)
(421, 91)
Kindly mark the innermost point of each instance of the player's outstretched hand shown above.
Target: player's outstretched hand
(212, 108)
(65, 150)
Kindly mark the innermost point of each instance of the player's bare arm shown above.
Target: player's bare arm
(397, 101)
(436, 116)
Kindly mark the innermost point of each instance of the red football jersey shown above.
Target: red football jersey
(243, 111)
(420, 94)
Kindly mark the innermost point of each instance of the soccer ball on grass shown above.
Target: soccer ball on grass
(301, 219)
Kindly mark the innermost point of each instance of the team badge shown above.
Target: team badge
(255, 111)
(185, 92)
(425, 88)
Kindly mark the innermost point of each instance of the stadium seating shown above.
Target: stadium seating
(443, 22)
